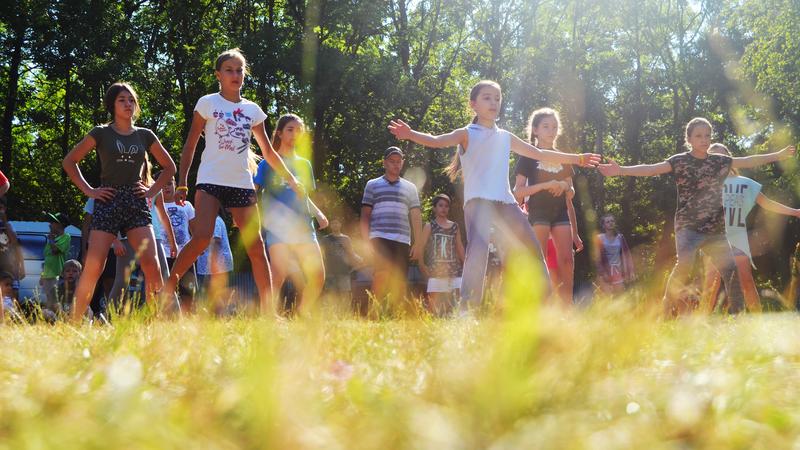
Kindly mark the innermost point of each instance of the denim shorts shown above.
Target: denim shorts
(229, 196)
(124, 212)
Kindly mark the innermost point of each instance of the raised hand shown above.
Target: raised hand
(400, 129)
(612, 169)
(103, 194)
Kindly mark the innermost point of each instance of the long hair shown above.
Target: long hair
(536, 118)
(110, 98)
(454, 168)
(284, 120)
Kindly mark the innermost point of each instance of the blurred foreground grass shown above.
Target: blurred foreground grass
(608, 377)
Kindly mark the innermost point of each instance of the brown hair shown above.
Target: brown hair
(452, 170)
(694, 123)
(536, 118)
(282, 122)
(111, 97)
(231, 54)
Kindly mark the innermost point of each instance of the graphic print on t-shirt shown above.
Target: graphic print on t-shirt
(233, 130)
(177, 219)
(733, 199)
(126, 155)
(443, 248)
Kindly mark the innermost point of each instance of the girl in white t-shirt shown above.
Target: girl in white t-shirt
(739, 196)
(483, 153)
(224, 178)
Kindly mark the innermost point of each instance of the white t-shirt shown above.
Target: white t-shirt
(179, 217)
(224, 257)
(228, 134)
(485, 164)
(738, 198)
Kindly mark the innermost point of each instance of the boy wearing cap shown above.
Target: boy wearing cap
(55, 253)
(388, 203)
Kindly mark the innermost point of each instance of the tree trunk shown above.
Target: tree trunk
(11, 103)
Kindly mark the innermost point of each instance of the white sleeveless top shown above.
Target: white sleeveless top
(485, 164)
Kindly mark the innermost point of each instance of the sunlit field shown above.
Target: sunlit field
(521, 375)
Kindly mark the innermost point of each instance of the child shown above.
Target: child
(64, 291)
(484, 150)
(55, 253)
(444, 249)
(340, 261)
(548, 187)
(612, 258)
(8, 305)
(121, 201)
(127, 259)
(11, 258)
(224, 177)
(740, 195)
(215, 263)
(289, 230)
(699, 218)
(180, 216)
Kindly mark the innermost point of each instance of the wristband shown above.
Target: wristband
(580, 160)
(182, 188)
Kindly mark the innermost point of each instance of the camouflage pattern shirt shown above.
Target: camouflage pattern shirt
(700, 183)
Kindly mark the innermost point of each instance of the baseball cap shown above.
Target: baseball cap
(392, 151)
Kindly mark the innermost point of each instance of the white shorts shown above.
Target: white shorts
(443, 284)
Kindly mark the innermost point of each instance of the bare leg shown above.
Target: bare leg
(143, 242)
(310, 258)
(99, 243)
(249, 223)
(206, 209)
(562, 237)
(751, 297)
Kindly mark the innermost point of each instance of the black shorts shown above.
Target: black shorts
(392, 255)
(124, 212)
(228, 196)
(549, 216)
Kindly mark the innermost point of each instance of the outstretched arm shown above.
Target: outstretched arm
(773, 206)
(612, 169)
(745, 162)
(523, 148)
(403, 131)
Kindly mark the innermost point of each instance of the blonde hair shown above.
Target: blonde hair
(536, 118)
(694, 123)
(235, 53)
(454, 168)
(722, 150)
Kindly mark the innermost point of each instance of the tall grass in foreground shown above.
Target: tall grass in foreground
(612, 376)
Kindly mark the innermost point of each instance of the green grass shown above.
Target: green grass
(612, 376)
